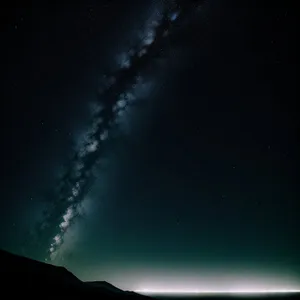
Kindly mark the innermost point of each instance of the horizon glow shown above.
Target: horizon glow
(217, 292)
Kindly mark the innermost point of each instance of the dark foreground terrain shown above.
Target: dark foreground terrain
(27, 278)
(24, 277)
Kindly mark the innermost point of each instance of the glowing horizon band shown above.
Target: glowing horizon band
(223, 292)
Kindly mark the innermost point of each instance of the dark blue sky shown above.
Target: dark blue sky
(203, 187)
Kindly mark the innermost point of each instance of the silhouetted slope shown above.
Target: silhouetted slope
(29, 271)
(27, 277)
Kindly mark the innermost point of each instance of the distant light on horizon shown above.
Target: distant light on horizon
(216, 292)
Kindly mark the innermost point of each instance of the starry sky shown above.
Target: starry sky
(152, 144)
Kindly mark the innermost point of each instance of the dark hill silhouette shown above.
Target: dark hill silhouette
(38, 280)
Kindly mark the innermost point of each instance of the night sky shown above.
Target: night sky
(152, 145)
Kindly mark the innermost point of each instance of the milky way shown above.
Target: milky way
(118, 92)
